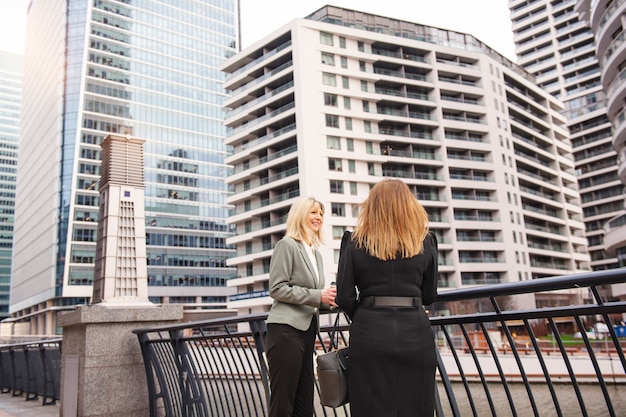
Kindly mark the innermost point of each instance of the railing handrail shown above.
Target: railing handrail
(606, 277)
(611, 276)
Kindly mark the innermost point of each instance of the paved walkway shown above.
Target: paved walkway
(11, 406)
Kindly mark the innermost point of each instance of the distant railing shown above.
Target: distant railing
(503, 361)
(32, 369)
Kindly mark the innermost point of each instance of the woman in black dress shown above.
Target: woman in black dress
(387, 272)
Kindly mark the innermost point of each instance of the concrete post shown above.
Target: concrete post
(102, 370)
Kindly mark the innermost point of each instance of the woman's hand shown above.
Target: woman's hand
(328, 296)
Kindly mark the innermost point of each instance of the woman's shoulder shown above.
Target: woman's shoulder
(287, 241)
(345, 240)
(430, 243)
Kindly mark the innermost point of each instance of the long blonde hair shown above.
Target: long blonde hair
(392, 223)
(297, 226)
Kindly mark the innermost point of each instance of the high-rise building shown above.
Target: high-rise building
(329, 105)
(553, 43)
(606, 21)
(149, 69)
(10, 108)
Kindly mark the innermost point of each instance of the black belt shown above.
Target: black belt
(387, 301)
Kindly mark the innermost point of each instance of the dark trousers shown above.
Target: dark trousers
(290, 360)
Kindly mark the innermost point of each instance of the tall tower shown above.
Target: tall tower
(120, 272)
(328, 105)
(10, 109)
(554, 44)
(149, 69)
(606, 21)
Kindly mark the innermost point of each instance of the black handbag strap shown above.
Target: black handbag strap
(334, 344)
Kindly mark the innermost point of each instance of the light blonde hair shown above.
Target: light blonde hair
(297, 226)
(392, 222)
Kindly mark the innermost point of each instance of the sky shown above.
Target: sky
(487, 20)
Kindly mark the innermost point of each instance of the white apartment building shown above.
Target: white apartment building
(553, 43)
(329, 105)
(606, 19)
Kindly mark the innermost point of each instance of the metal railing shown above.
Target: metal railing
(32, 369)
(495, 362)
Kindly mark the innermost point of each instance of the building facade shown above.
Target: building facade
(149, 69)
(558, 47)
(329, 105)
(10, 109)
(606, 21)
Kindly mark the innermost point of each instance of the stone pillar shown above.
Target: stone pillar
(102, 370)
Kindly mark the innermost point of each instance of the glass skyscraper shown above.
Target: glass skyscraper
(10, 105)
(145, 68)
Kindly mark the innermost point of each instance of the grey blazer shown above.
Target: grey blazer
(293, 286)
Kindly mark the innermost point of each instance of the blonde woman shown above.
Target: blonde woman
(297, 287)
(390, 261)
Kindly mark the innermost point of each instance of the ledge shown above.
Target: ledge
(121, 314)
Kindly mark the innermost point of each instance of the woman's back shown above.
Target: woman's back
(392, 360)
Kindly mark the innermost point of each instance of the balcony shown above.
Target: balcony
(615, 234)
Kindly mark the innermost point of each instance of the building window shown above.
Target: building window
(332, 120)
(348, 121)
(353, 189)
(326, 38)
(361, 46)
(351, 166)
(367, 126)
(336, 187)
(330, 99)
(329, 79)
(338, 209)
(334, 164)
(350, 142)
(362, 66)
(346, 103)
(328, 59)
(366, 106)
(345, 81)
(333, 142)
(338, 232)
(344, 62)
(342, 42)
(363, 85)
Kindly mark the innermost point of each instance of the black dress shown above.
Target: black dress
(392, 356)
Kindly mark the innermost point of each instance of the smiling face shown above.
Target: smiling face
(315, 218)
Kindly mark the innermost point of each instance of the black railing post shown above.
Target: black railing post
(193, 398)
(51, 364)
(445, 379)
(34, 373)
(154, 373)
(259, 333)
